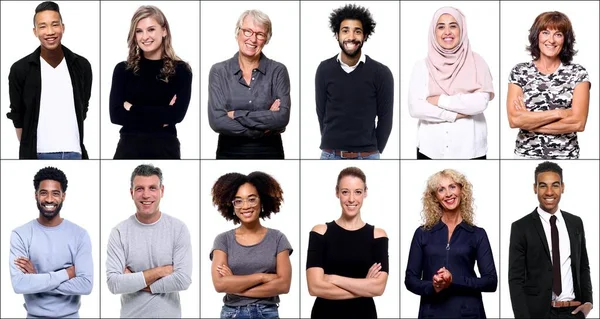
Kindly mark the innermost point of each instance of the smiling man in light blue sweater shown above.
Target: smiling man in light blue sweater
(50, 257)
(149, 255)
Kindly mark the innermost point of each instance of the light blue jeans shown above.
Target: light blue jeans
(59, 155)
(251, 311)
(332, 156)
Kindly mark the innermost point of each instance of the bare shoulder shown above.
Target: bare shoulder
(320, 229)
(379, 233)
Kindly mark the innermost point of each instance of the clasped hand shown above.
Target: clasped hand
(442, 279)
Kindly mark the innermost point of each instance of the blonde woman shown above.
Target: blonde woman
(444, 250)
(150, 91)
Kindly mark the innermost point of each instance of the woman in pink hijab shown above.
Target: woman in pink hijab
(448, 92)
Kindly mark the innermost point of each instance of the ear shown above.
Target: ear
(164, 33)
(162, 190)
(337, 193)
(64, 194)
(366, 193)
(563, 188)
(534, 188)
(131, 192)
(35, 32)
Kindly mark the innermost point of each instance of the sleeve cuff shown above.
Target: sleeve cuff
(444, 101)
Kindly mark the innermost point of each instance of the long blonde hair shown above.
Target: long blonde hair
(168, 54)
(432, 209)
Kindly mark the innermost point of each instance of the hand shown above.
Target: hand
(146, 289)
(167, 270)
(71, 271)
(173, 100)
(438, 283)
(585, 308)
(374, 271)
(462, 116)
(446, 277)
(127, 105)
(224, 270)
(230, 114)
(433, 100)
(519, 104)
(127, 271)
(25, 265)
(275, 106)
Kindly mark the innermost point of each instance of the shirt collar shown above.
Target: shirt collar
(363, 59)
(440, 225)
(234, 64)
(546, 216)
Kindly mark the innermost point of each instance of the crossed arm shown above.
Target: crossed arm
(259, 285)
(70, 280)
(557, 121)
(335, 287)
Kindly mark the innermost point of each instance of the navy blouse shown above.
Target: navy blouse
(430, 251)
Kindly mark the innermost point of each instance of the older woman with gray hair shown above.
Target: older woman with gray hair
(249, 95)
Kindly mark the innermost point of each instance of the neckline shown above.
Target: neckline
(348, 230)
(253, 245)
(560, 66)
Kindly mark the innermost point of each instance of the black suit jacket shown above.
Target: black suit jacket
(25, 86)
(530, 265)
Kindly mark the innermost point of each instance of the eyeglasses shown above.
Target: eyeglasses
(259, 35)
(238, 202)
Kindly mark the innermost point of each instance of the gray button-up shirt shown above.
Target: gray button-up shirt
(228, 91)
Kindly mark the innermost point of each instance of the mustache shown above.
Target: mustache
(352, 41)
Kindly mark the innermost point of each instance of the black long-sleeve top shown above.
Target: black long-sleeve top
(150, 97)
(348, 103)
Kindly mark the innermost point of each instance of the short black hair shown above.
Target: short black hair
(146, 170)
(225, 188)
(548, 167)
(352, 12)
(44, 6)
(50, 173)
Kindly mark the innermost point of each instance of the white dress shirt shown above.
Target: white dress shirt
(568, 292)
(350, 68)
(440, 134)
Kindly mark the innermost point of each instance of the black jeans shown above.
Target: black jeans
(240, 147)
(147, 146)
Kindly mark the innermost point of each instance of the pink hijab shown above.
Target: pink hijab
(457, 70)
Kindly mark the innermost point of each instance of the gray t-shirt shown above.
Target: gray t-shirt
(253, 259)
(145, 246)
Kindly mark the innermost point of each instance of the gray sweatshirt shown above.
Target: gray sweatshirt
(145, 246)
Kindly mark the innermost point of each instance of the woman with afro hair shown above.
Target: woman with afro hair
(250, 263)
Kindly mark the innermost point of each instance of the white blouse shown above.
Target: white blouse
(440, 134)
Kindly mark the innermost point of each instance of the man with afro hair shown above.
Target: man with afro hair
(352, 90)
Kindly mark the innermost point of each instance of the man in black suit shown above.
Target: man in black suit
(539, 287)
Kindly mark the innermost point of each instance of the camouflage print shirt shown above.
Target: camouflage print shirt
(542, 93)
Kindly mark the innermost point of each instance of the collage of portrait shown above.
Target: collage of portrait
(299, 159)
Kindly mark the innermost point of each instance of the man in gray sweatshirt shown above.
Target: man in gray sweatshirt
(149, 254)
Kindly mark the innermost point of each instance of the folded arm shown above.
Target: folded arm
(217, 112)
(83, 281)
(520, 117)
(465, 103)
(488, 281)
(319, 287)
(517, 272)
(181, 278)
(31, 283)
(279, 285)
(232, 284)
(418, 106)
(118, 281)
(269, 119)
(576, 119)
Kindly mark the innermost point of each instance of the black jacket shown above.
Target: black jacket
(530, 266)
(24, 87)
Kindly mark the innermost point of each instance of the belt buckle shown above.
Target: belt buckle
(342, 153)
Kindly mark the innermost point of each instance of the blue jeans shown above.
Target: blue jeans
(332, 156)
(250, 311)
(59, 155)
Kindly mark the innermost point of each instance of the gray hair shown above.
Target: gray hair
(259, 17)
(146, 170)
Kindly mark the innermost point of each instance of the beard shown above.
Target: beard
(49, 214)
(356, 51)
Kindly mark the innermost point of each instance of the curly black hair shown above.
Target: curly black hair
(553, 20)
(548, 167)
(352, 12)
(225, 188)
(50, 173)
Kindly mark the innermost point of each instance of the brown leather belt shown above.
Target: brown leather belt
(345, 154)
(562, 304)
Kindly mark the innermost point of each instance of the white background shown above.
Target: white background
(180, 200)
(482, 30)
(580, 198)
(81, 36)
(483, 175)
(517, 18)
(219, 43)
(183, 21)
(18, 206)
(381, 208)
(213, 223)
(319, 44)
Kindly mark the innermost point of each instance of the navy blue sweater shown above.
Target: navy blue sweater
(348, 103)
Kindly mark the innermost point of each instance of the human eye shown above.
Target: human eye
(344, 192)
(237, 202)
(252, 200)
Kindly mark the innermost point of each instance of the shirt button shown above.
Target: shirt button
(248, 89)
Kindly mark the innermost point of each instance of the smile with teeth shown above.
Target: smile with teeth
(246, 214)
(350, 45)
(450, 201)
(448, 39)
(49, 206)
(146, 203)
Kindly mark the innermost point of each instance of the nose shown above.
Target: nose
(548, 191)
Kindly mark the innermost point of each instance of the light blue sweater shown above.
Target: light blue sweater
(50, 292)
